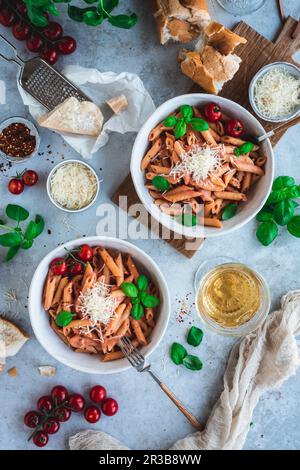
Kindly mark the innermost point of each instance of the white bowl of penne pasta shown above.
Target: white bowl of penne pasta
(100, 312)
(200, 178)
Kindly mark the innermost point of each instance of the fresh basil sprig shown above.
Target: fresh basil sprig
(64, 318)
(161, 183)
(180, 124)
(139, 296)
(279, 210)
(15, 238)
(92, 15)
(229, 211)
(243, 149)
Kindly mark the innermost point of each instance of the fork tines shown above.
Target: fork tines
(133, 355)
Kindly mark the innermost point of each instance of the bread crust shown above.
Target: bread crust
(222, 39)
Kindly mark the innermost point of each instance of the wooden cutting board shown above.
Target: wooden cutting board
(258, 52)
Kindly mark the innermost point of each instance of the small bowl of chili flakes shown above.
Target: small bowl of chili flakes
(19, 139)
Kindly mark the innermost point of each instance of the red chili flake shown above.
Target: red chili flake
(16, 141)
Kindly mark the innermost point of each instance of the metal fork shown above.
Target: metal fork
(138, 361)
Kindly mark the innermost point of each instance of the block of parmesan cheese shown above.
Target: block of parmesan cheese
(74, 117)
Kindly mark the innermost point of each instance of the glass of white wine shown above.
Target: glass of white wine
(231, 298)
(241, 7)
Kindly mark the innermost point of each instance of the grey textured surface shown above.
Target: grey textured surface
(147, 419)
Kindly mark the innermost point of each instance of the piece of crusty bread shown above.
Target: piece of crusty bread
(180, 20)
(221, 38)
(12, 338)
(74, 117)
(209, 69)
(118, 104)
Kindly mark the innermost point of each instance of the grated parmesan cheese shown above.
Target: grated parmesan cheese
(199, 162)
(277, 93)
(98, 306)
(73, 186)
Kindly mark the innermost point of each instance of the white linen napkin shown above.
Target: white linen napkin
(100, 87)
(262, 360)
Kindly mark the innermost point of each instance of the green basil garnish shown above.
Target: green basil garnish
(192, 362)
(149, 301)
(284, 211)
(243, 149)
(267, 232)
(229, 211)
(17, 213)
(265, 214)
(199, 124)
(195, 336)
(294, 226)
(142, 282)
(283, 182)
(189, 220)
(180, 128)
(137, 311)
(170, 121)
(187, 112)
(64, 318)
(161, 183)
(178, 353)
(129, 289)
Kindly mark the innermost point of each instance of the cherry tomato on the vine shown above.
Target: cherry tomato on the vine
(97, 394)
(62, 414)
(76, 402)
(110, 407)
(45, 404)
(30, 177)
(59, 266)
(51, 426)
(67, 45)
(40, 439)
(15, 186)
(32, 419)
(59, 394)
(92, 414)
(85, 253)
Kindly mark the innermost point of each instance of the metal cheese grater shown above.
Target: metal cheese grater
(42, 81)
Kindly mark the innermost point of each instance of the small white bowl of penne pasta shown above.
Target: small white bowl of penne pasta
(197, 167)
(80, 310)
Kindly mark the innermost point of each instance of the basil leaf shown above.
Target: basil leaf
(189, 220)
(180, 128)
(192, 362)
(243, 149)
(267, 232)
(13, 250)
(294, 226)
(149, 301)
(186, 112)
(36, 16)
(92, 17)
(199, 124)
(35, 227)
(195, 336)
(142, 282)
(90, 1)
(11, 239)
(137, 311)
(289, 192)
(266, 213)
(17, 213)
(123, 21)
(107, 5)
(170, 121)
(2, 222)
(161, 183)
(284, 211)
(52, 9)
(178, 353)
(283, 182)
(129, 289)
(26, 244)
(229, 211)
(64, 318)
(135, 300)
(76, 13)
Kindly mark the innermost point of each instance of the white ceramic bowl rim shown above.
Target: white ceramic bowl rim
(253, 82)
(141, 144)
(55, 346)
(33, 130)
(66, 162)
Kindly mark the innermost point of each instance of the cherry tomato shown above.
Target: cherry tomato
(234, 128)
(53, 31)
(59, 394)
(40, 439)
(62, 414)
(75, 267)
(21, 31)
(59, 266)
(76, 402)
(92, 414)
(85, 253)
(213, 112)
(110, 407)
(15, 186)
(21, 7)
(7, 17)
(67, 45)
(30, 177)
(50, 55)
(34, 43)
(97, 394)
(45, 404)
(32, 419)
(51, 426)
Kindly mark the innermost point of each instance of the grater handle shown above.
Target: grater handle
(15, 59)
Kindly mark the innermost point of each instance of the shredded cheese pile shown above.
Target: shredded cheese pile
(199, 162)
(97, 305)
(73, 186)
(277, 93)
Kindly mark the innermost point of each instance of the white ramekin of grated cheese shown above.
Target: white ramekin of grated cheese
(274, 92)
(73, 186)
